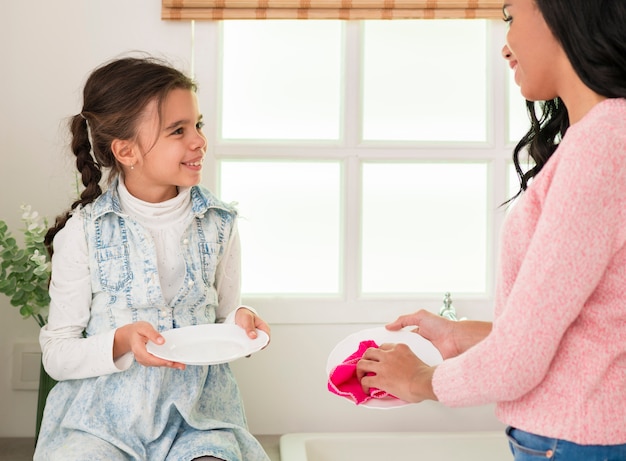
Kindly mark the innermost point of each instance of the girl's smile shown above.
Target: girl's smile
(170, 151)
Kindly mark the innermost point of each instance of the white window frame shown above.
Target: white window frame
(350, 306)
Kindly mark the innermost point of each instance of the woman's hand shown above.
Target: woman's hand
(249, 321)
(450, 337)
(395, 369)
(133, 338)
(438, 330)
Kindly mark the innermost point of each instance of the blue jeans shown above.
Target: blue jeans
(530, 447)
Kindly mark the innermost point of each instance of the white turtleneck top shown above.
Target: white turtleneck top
(165, 222)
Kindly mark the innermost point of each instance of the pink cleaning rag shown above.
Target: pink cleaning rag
(343, 380)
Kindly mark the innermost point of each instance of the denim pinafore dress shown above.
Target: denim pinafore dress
(150, 413)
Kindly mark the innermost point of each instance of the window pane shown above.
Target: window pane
(424, 228)
(289, 224)
(281, 79)
(425, 80)
(518, 118)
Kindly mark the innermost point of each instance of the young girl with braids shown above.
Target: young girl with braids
(154, 251)
(554, 359)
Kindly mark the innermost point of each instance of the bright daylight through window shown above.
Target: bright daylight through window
(368, 159)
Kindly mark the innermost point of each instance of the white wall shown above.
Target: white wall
(46, 51)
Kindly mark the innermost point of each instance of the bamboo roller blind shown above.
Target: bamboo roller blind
(330, 9)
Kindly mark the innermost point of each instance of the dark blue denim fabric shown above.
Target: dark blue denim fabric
(530, 447)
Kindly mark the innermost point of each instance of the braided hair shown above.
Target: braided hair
(114, 97)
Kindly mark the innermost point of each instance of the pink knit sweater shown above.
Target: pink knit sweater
(555, 361)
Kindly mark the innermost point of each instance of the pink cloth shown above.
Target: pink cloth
(343, 380)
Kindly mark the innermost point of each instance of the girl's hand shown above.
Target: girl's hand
(249, 321)
(395, 369)
(133, 338)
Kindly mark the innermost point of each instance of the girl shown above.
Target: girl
(155, 251)
(554, 359)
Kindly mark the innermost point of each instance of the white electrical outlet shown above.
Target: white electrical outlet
(26, 366)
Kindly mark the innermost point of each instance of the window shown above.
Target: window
(290, 221)
(281, 80)
(424, 228)
(421, 82)
(368, 160)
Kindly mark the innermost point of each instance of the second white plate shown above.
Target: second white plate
(420, 346)
(208, 344)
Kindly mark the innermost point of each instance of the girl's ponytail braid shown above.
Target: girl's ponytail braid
(89, 171)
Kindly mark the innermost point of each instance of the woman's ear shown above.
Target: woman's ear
(124, 152)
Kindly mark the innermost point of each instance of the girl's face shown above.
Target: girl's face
(170, 150)
(533, 52)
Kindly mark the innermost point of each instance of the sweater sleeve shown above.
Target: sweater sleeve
(228, 280)
(66, 354)
(560, 239)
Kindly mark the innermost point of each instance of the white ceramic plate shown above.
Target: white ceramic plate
(208, 344)
(420, 346)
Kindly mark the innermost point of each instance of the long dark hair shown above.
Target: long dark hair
(114, 97)
(593, 36)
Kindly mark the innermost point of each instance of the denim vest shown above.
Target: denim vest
(122, 257)
(150, 413)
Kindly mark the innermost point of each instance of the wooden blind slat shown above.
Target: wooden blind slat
(322, 13)
(330, 9)
(373, 4)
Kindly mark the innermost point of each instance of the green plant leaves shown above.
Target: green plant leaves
(25, 272)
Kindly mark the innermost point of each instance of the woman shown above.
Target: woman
(554, 360)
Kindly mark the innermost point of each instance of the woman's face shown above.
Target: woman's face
(533, 52)
(170, 148)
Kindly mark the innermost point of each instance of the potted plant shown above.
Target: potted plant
(24, 278)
